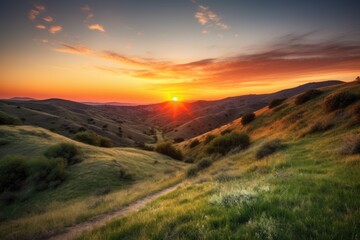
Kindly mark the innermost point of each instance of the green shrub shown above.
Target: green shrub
(13, 173)
(168, 149)
(224, 144)
(209, 138)
(339, 100)
(69, 152)
(201, 165)
(194, 143)
(92, 139)
(46, 173)
(269, 148)
(6, 119)
(104, 142)
(276, 102)
(307, 96)
(247, 118)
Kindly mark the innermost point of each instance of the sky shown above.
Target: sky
(151, 51)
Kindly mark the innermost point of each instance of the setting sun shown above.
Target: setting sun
(175, 99)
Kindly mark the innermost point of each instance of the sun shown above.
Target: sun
(175, 99)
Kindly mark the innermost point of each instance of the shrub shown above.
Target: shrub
(226, 131)
(87, 137)
(204, 163)
(104, 142)
(178, 140)
(276, 102)
(223, 144)
(339, 100)
(307, 96)
(269, 148)
(209, 138)
(143, 146)
(6, 119)
(168, 149)
(351, 145)
(93, 139)
(189, 160)
(191, 171)
(319, 127)
(194, 143)
(46, 173)
(13, 172)
(124, 174)
(69, 152)
(247, 118)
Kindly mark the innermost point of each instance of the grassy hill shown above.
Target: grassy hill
(299, 178)
(106, 178)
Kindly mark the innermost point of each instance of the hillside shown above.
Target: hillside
(297, 179)
(103, 180)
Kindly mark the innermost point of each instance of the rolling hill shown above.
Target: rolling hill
(297, 178)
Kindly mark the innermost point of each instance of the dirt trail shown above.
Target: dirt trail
(98, 221)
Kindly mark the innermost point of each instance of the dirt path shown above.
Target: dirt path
(98, 221)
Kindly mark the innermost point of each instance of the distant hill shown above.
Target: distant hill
(110, 103)
(21, 99)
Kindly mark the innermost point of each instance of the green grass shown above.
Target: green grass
(308, 190)
(82, 194)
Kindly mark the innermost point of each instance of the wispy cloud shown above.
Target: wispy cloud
(290, 60)
(35, 11)
(96, 27)
(89, 13)
(55, 29)
(208, 18)
(40, 26)
(48, 19)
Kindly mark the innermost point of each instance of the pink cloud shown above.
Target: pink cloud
(48, 19)
(207, 17)
(96, 27)
(55, 29)
(40, 26)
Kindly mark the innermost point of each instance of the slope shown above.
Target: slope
(95, 185)
(307, 189)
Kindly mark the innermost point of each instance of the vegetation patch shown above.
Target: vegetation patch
(269, 148)
(194, 143)
(318, 127)
(199, 166)
(351, 145)
(307, 96)
(226, 131)
(6, 119)
(276, 102)
(247, 118)
(209, 138)
(92, 139)
(67, 151)
(339, 100)
(224, 144)
(168, 149)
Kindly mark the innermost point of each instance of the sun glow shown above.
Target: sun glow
(175, 99)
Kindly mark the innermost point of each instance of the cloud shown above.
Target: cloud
(279, 63)
(96, 27)
(55, 29)
(48, 19)
(206, 17)
(87, 10)
(40, 26)
(33, 13)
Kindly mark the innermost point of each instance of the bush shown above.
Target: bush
(168, 149)
(178, 140)
(247, 118)
(194, 143)
(351, 145)
(276, 102)
(269, 148)
(339, 100)
(69, 152)
(104, 142)
(307, 96)
(143, 146)
(46, 173)
(13, 172)
(92, 139)
(209, 138)
(201, 165)
(319, 127)
(6, 119)
(223, 144)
